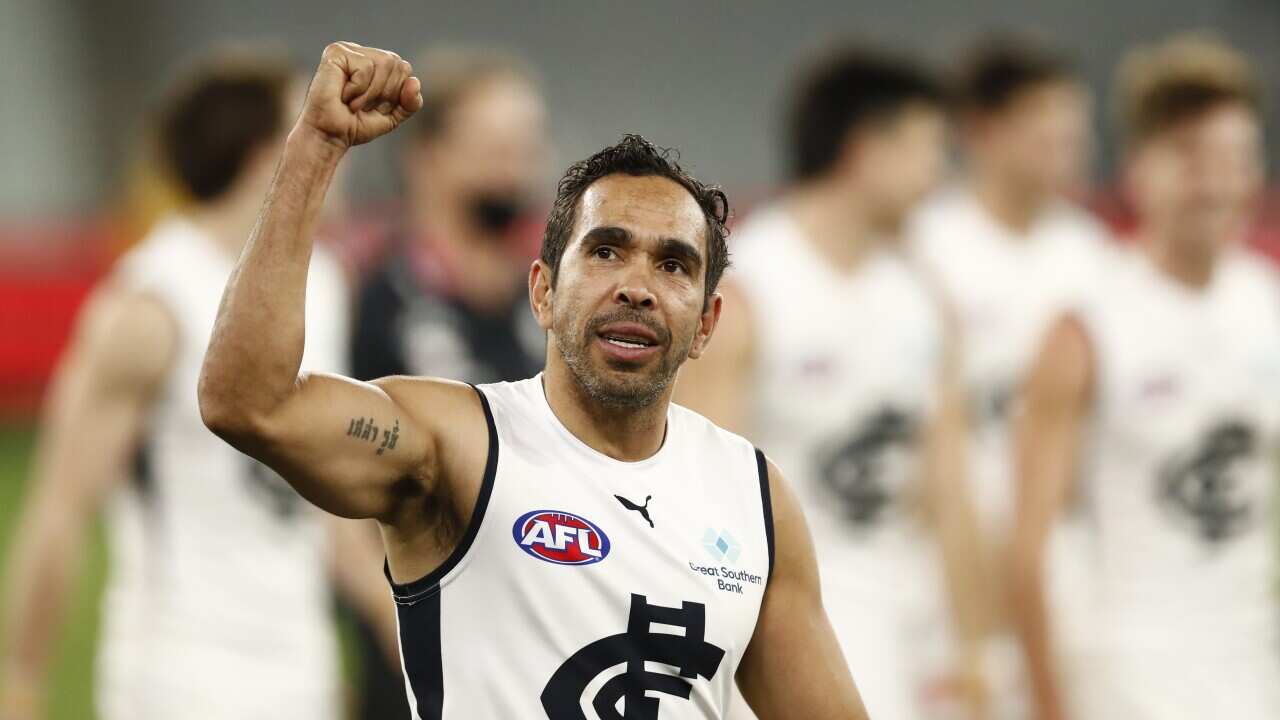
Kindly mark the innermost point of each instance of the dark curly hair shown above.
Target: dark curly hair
(633, 155)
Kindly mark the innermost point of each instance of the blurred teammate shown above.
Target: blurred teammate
(833, 354)
(1011, 251)
(1008, 246)
(450, 299)
(217, 604)
(567, 541)
(1159, 395)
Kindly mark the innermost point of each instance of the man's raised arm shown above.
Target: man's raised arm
(352, 448)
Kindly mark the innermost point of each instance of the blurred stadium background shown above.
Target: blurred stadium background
(706, 77)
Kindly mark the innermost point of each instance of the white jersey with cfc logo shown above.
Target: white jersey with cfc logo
(1006, 288)
(217, 604)
(586, 588)
(1180, 485)
(845, 373)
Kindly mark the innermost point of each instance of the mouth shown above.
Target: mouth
(628, 342)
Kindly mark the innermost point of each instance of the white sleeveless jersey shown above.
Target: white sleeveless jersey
(1184, 461)
(589, 588)
(1180, 488)
(1006, 289)
(846, 370)
(217, 601)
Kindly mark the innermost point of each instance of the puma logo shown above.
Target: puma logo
(642, 509)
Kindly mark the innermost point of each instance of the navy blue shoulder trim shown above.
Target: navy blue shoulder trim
(766, 502)
(411, 592)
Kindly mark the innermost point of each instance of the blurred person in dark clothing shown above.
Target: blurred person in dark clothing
(449, 299)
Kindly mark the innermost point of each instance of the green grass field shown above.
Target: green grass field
(71, 683)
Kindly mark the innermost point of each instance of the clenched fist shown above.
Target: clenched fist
(359, 93)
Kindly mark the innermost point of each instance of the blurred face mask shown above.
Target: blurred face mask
(494, 212)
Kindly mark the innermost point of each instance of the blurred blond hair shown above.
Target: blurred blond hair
(1161, 85)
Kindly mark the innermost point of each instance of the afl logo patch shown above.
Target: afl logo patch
(560, 537)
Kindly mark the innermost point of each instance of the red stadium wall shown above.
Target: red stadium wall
(47, 270)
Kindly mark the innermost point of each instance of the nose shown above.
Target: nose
(635, 295)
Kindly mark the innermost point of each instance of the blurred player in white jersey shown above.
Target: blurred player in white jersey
(1011, 251)
(1156, 400)
(833, 354)
(217, 602)
(1008, 246)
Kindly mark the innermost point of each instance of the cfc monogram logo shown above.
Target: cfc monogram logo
(864, 471)
(690, 652)
(1203, 488)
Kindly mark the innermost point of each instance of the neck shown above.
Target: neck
(833, 223)
(227, 221)
(1010, 203)
(1188, 264)
(626, 434)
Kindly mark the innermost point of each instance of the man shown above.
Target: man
(1160, 397)
(1011, 251)
(449, 300)
(832, 354)
(1007, 245)
(572, 540)
(217, 596)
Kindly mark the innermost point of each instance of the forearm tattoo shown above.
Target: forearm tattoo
(366, 429)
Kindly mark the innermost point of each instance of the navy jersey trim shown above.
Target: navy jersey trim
(766, 502)
(422, 654)
(428, 585)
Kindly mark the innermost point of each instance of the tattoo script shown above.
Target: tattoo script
(367, 430)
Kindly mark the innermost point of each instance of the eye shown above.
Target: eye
(672, 266)
(604, 252)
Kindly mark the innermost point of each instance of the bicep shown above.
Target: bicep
(793, 666)
(358, 449)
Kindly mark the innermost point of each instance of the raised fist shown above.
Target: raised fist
(359, 93)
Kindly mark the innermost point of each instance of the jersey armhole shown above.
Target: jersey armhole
(766, 504)
(428, 585)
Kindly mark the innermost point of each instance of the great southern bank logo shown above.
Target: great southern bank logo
(721, 545)
(560, 537)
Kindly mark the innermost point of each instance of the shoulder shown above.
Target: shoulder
(166, 250)
(757, 239)
(1064, 371)
(125, 335)
(1251, 272)
(939, 212)
(944, 227)
(699, 428)
(765, 265)
(1080, 231)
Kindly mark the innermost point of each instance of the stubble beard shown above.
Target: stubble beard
(633, 390)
